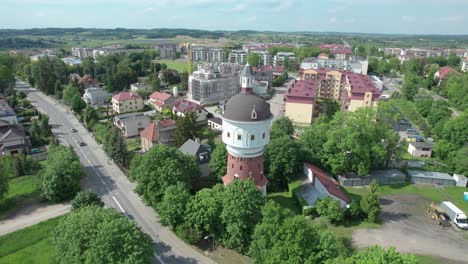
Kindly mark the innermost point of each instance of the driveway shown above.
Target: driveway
(31, 215)
(408, 227)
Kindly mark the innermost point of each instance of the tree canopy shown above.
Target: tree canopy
(172, 207)
(218, 162)
(281, 127)
(86, 198)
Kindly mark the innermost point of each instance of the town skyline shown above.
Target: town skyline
(357, 16)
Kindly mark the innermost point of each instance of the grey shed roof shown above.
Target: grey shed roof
(191, 147)
(430, 174)
(421, 145)
(241, 106)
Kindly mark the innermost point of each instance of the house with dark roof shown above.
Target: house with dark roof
(183, 106)
(159, 132)
(201, 152)
(7, 113)
(319, 185)
(13, 139)
(215, 123)
(125, 102)
(161, 101)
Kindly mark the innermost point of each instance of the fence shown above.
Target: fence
(383, 177)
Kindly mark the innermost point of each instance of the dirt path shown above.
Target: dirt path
(31, 215)
(408, 228)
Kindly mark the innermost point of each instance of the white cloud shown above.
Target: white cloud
(40, 14)
(239, 7)
(332, 20)
(452, 18)
(251, 19)
(408, 18)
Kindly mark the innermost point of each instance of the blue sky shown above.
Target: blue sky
(367, 16)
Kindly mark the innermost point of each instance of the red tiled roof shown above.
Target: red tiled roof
(160, 96)
(332, 186)
(182, 105)
(167, 123)
(361, 84)
(149, 132)
(445, 71)
(126, 96)
(302, 91)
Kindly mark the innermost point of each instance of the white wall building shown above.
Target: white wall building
(354, 65)
(280, 56)
(238, 56)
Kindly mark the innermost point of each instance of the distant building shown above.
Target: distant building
(208, 54)
(353, 64)
(464, 67)
(340, 52)
(13, 139)
(322, 186)
(141, 87)
(7, 113)
(125, 102)
(159, 132)
(213, 83)
(238, 56)
(265, 57)
(95, 96)
(131, 124)
(161, 100)
(443, 73)
(215, 123)
(352, 90)
(182, 107)
(82, 53)
(420, 149)
(167, 50)
(263, 74)
(201, 152)
(72, 61)
(35, 58)
(280, 56)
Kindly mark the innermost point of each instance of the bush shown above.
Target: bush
(85, 198)
(330, 208)
(187, 234)
(370, 204)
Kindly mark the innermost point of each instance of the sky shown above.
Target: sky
(365, 16)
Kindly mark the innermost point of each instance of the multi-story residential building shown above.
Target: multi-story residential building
(182, 107)
(13, 139)
(264, 46)
(280, 56)
(82, 53)
(352, 64)
(131, 124)
(95, 96)
(214, 83)
(464, 67)
(209, 54)
(341, 52)
(125, 102)
(238, 56)
(265, 57)
(159, 132)
(167, 50)
(161, 101)
(352, 90)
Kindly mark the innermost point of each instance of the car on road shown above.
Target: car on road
(81, 143)
(411, 131)
(73, 130)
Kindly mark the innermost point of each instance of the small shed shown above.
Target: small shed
(431, 177)
(461, 180)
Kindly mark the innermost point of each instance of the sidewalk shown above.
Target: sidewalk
(31, 215)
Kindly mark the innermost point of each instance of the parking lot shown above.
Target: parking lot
(408, 227)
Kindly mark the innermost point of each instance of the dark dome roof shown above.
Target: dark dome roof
(240, 108)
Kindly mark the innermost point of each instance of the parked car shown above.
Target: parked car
(73, 130)
(81, 143)
(411, 131)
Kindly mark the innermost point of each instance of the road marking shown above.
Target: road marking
(118, 204)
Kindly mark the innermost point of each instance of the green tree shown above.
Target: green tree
(242, 204)
(62, 174)
(77, 104)
(281, 127)
(69, 93)
(218, 162)
(376, 255)
(203, 213)
(453, 60)
(156, 83)
(4, 177)
(456, 89)
(312, 140)
(103, 236)
(160, 168)
(283, 159)
(115, 146)
(330, 208)
(370, 204)
(440, 111)
(253, 59)
(443, 148)
(455, 130)
(424, 105)
(410, 86)
(458, 161)
(86, 198)
(7, 79)
(90, 116)
(187, 127)
(184, 76)
(171, 209)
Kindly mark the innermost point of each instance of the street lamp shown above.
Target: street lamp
(213, 248)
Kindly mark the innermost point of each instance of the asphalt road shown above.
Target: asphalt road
(108, 181)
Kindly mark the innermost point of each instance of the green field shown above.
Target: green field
(178, 65)
(430, 192)
(29, 245)
(22, 190)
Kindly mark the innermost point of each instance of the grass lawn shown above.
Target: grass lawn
(22, 190)
(288, 199)
(428, 260)
(29, 245)
(177, 65)
(430, 192)
(133, 144)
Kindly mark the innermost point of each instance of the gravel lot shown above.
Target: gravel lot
(408, 227)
